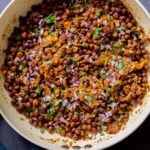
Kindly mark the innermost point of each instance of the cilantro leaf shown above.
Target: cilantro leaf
(90, 98)
(137, 33)
(50, 19)
(121, 28)
(83, 74)
(99, 123)
(21, 66)
(120, 64)
(39, 90)
(42, 130)
(58, 129)
(49, 31)
(76, 6)
(57, 102)
(98, 12)
(96, 32)
(36, 31)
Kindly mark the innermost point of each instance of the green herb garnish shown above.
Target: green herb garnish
(98, 12)
(36, 110)
(99, 123)
(121, 28)
(96, 32)
(137, 33)
(76, 6)
(42, 130)
(50, 19)
(120, 64)
(83, 74)
(21, 66)
(101, 40)
(58, 102)
(65, 66)
(122, 49)
(77, 112)
(52, 113)
(58, 129)
(36, 31)
(104, 76)
(74, 60)
(107, 88)
(90, 98)
(50, 31)
(48, 62)
(39, 90)
(18, 38)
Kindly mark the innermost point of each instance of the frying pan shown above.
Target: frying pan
(8, 20)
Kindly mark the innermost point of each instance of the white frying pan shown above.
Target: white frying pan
(9, 19)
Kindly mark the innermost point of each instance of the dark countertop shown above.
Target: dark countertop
(10, 140)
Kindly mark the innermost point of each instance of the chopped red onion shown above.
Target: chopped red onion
(65, 103)
(105, 22)
(108, 114)
(20, 99)
(63, 120)
(41, 22)
(46, 98)
(41, 31)
(58, 18)
(103, 117)
(76, 83)
(75, 96)
(56, 124)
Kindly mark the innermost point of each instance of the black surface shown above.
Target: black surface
(139, 140)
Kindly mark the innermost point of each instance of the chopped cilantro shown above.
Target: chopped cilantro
(104, 76)
(107, 88)
(96, 32)
(137, 33)
(58, 102)
(39, 90)
(98, 12)
(74, 60)
(83, 74)
(36, 31)
(76, 6)
(101, 40)
(77, 112)
(120, 64)
(52, 113)
(102, 134)
(49, 31)
(90, 98)
(21, 66)
(122, 49)
(82, 45)
(99, 123)
(50, 19)
(42, 130)
(48, 62)
(36, 110)
(58, 129)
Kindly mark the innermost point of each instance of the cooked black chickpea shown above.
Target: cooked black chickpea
(67, 61)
